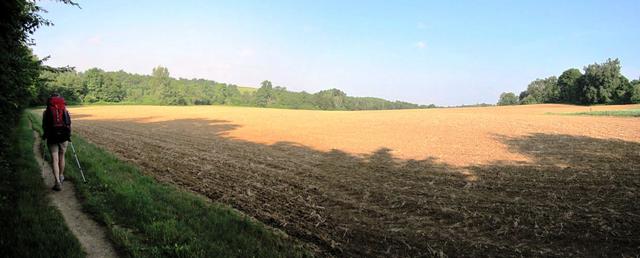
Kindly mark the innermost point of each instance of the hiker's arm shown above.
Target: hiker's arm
(68, 118)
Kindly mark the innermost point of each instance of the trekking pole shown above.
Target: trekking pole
(77, 161)
(43, 150)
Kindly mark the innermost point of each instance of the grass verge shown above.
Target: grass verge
(30, 226)
(624, 113)
(149, 219)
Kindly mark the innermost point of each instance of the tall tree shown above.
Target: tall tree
(112, 89)
(161, 88)
(264, 95)
(570, 90)
(160, 80)
(332, 99)
(551, 90)
(94, 81)
(233, 95)
(507, 98)
(603, 83)
(635, 91)
(541, 91)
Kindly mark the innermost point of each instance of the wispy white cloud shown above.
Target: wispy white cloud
(421, 44)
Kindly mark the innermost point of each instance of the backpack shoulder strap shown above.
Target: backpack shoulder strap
(67, 117)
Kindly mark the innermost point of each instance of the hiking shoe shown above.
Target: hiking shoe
(57, 187)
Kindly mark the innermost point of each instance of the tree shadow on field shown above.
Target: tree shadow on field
(575, 151)
(207, 127)
(576, 197)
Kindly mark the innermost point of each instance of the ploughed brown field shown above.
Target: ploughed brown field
(495, 181)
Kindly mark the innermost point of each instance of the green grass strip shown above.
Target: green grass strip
(30, 225)
(146, 218)
(623, 113)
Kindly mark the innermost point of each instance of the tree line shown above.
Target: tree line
(598, 84)
(98, 86)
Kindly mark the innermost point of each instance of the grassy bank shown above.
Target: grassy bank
(629, 113)
(149, 219)
(624, 113)
(30, 226)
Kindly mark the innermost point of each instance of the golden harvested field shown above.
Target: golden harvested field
(496, 181)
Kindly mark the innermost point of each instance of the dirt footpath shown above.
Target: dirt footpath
(92, 236)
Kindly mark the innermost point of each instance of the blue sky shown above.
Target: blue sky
(442, 52)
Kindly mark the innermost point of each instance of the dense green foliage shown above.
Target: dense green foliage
(599, 84)
(568, 85)
(635, 93)
(30, 227)
(507, 98)
(541, 91)
(604, 84)
(18, 67)
(148, 219)
(98, 86)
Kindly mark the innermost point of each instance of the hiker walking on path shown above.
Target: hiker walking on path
(56, 124)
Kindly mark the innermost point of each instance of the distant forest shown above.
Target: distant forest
(98, 86)
(599, 84)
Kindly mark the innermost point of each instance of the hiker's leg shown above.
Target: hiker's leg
(61, 152)
(54, 149)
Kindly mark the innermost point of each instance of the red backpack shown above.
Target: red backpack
(58, 126)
